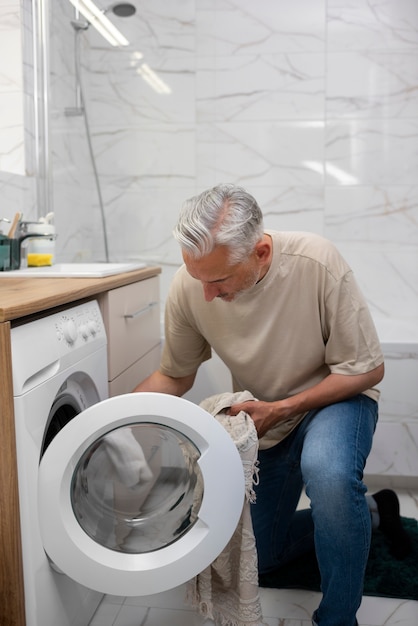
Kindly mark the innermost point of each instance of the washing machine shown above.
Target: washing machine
(131, 495)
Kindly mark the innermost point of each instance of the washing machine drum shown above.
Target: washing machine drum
(139, 493)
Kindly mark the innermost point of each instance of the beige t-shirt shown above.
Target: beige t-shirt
(305, 319)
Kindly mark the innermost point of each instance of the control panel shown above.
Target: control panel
(79, 325)
(42, 347)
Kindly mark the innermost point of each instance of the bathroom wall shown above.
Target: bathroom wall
(311, 105)
(17, 156)
(12, 158)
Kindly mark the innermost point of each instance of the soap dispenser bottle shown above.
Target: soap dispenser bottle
(41, 250)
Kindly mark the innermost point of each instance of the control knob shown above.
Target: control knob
(70, 331)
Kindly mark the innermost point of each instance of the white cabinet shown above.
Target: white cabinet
(132, 319)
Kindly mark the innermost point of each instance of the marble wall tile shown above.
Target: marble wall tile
(18, 194)
(79, 234)
(356, 25)
(371, 150)
(141, 219)
(71, 156)
(388, 280)
(370, 84)
(10, 47)
(236, 27)
(291, 208)
(376, 151)
(260, 87)
(126, 99)
(260, 153)
(385, 215)
(399, 391)
(17, 156)
(395, 450)
(155, 153)
(12, 133)
(12, 149)
(75, 195)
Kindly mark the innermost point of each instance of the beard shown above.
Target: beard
(249, 281)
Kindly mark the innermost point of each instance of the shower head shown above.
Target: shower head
(123, 9)
(97, 18)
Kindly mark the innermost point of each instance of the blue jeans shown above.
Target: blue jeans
(327, 453)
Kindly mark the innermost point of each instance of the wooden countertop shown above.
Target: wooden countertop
(20, 297)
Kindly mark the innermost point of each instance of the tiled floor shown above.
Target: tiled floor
(280, 607)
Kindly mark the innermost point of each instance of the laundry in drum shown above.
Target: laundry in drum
(127, 457)
(138, 488)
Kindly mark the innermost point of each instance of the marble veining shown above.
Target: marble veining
(12, 153)
(311, 106)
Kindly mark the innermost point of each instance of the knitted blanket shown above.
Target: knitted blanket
(227, 590)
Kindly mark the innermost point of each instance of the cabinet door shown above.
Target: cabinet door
(132, 318)
(138, 371)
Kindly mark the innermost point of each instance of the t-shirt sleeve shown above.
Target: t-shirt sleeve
(352, 346)
(185, 348)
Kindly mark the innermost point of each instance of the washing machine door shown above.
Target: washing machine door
(139, 493)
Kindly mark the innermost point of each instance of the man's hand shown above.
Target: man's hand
(265, 415)
(333, 388)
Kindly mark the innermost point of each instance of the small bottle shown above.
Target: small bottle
(41, 249)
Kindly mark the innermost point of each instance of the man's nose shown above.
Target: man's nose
(210, 291)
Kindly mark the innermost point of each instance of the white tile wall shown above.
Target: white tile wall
(12, 153)
(311, 105)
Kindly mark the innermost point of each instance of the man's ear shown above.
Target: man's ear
(263, 249)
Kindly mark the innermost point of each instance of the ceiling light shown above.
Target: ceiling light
(101, 23)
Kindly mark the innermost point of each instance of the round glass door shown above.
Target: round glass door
(138, 488)
(139, 493)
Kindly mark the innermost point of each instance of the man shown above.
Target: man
(284, 313)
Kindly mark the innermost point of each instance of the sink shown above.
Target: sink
(74, 270)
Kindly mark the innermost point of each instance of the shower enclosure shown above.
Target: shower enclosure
(78, 182)
(107, 137)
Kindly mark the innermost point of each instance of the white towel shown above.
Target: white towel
(227, 590)
(127, 457)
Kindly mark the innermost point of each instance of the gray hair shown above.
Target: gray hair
(225, 215)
